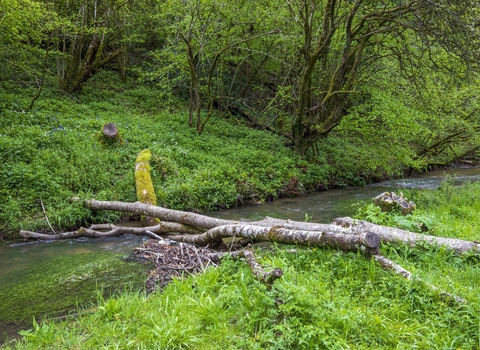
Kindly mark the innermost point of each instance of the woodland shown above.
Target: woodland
(295, 68)
(160, 110)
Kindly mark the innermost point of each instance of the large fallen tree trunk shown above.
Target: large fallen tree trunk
(340, 225)
(391, 234)
(344, 233)
(364, 242)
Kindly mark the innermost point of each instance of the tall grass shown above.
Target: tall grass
(325, 300)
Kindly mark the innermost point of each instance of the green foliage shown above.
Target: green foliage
(24, 28)
(434, 121)
(414, 222)
(449, 211)
(52, 154)
(454, 210)
(325, 300)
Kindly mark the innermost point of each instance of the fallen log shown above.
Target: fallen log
(341, 232)
(365, 242)
(196, 229)
(163, 214)
(391, 234)
(390, 265)
(206, 222)
(144, 185)
(108, 230)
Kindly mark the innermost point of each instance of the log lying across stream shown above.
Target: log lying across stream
(345, 234)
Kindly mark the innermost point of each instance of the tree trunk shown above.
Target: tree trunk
(144, 185)
(390, 234)
(363, 242)
(339, 226)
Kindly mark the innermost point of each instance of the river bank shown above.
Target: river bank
(74, 262)
(326, 299)
(52, 158)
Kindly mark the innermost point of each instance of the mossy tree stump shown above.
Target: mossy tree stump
(144, 185)
(110, 135)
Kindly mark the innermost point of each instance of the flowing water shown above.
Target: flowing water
(325, 206)
(37, 279)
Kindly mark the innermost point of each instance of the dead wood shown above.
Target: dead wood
(363, 242)
(390, 234)
(110, 130)
(163, 214)
(177, 260)
(257, 269)
(390, 265)
(110, 135)
(173, 261)
(108, 230)
(144, 185)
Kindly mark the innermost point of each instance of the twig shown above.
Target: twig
(153, 235)
(46, 217)
(390, 265)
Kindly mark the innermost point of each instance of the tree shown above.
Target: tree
(91, 41)
(26, 29)
(205, 42)
(343, 40)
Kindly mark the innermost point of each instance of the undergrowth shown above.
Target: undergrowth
(52, 156)
(325, 300)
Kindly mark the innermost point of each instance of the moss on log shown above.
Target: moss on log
(144, 185)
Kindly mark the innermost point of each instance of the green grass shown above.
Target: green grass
(326, 299)
(52, 154)
(449, 211)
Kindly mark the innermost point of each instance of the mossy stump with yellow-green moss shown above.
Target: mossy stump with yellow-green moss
(144, 185)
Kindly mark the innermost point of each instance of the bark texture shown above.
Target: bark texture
(108, 230)
(364, 242)
(390, 234)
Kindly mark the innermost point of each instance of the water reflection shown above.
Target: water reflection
(320, 206)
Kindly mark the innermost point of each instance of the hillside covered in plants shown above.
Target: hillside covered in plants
(245, 102)
(237, 102)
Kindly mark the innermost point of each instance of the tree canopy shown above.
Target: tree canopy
(299, 68)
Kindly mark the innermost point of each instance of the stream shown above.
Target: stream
(49, 279)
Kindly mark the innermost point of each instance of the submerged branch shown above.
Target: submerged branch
(108, 230)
